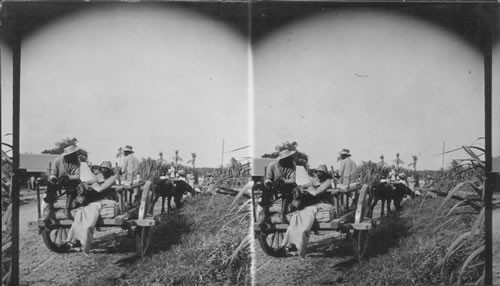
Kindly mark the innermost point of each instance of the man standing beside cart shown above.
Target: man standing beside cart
(65, 173)
(347, 168)
(130, 165)
(280, 177)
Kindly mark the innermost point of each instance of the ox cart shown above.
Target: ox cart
(135, 216)
(351, 216)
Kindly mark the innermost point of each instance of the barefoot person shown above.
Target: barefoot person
(65, 174)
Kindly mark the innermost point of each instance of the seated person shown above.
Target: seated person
(101, 188)
(316, 191)
(65, 174)
(97, 196)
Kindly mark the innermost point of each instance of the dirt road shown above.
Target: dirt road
(112, 252)
(326, 259)
(328, 256)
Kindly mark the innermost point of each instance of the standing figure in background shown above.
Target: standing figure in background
(32, 183)
(130, 163)
(130, 166)
(347, 168)
(119, 159)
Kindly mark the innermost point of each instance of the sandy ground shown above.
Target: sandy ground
(328, 256)
(325, 261)
(112, 252)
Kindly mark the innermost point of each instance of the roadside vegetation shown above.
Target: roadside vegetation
(7, 173)
(438, 239)
(206, 242)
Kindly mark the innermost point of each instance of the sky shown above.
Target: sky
(370, 81)
(154, 78)
(374, 82)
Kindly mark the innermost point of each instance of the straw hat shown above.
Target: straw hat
(70, 150)
(345, 152)
(322, 168)
(128, 148)
(285, 153)
(106, 164)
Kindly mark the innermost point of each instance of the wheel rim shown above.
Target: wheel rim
(360, 237)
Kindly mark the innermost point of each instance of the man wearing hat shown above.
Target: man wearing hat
(65, 173)
(280, 177)
(130, 163)
(347, 168)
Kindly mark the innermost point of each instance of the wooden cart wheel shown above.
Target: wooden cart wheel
(142, 239)
(146, 205)
(360, 237)
(54, 239)
(270, 242)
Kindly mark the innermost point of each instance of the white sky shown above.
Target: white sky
(156, 79)
(127, 76)
(418, 85)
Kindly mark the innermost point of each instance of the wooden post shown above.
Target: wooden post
(118, 174)
(38, 198)
(222, 158)
(348, 194)
(442, 159)
(333, 178)
(16, 103)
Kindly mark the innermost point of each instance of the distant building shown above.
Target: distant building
(36, 165)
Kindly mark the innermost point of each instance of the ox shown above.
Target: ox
(165, 188)
(387, 192)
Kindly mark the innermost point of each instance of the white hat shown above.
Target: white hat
(285, 153)
(70, 149)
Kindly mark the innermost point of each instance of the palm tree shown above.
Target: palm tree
(193, 160)
(161, 161)
(382, 162)
(398, 161)
(414, 163)
(177, 158)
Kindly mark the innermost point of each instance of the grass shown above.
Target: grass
(191, 249)
(410, 250)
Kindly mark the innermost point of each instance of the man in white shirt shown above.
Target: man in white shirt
(130, 163)
(347, 168)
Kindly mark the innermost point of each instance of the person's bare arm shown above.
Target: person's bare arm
(320, 189)
(104, 186)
